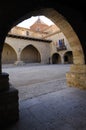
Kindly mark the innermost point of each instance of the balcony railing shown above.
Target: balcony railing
(61, 48)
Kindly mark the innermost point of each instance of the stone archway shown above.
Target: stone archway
(78, 54)
(56, 59)
(9, 55)
(30, 55)
(67, 30)
(68, 57)
(72, 37)
(77, 74)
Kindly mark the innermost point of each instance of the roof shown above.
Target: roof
(28, 38)
(39, 25)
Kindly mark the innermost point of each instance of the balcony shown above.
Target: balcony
(61, 48)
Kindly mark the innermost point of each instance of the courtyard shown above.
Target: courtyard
(45, 100)
(33, 80)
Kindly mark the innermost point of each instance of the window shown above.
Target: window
(27, 33)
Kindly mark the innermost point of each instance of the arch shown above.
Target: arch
(56, 58)
(9, 55)
(68, 57)
(66, 28)
(30, 55)
(78, 79)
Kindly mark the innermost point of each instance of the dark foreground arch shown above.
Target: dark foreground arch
(14, 12)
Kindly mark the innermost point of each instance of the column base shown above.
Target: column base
(19, 63)
(77, 76)
(9, 110)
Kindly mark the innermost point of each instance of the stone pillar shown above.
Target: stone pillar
(77, 76)
(9, 106)
(62, 59)
(9, 110)
(19, 62)
(4, 82)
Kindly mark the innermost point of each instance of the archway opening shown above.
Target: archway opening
(30, 55)
(68, 57)
(65, 28)
(8, 55)
(56, 59)
(78, 60)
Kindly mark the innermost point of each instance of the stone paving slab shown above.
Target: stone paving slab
(60, 110)
(35, 80)
(49, 104)
(37, 89)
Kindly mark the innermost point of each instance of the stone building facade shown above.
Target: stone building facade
(40, 43)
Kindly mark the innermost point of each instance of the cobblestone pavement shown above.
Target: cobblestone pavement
(33, 80)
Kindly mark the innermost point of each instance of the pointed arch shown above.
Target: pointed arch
(56, 58)
(66, 28)
(30, 54)
(9, 55)
(68, 57)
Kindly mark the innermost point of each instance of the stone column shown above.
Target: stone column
(4, 82)
(77, 76)
(19, 62)
(9, 106)
(62, 59)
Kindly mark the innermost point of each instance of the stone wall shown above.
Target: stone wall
(77, 76)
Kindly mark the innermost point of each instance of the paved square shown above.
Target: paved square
(33, 80)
